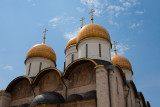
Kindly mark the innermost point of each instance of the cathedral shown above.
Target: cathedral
(91, 77)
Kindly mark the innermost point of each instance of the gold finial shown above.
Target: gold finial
(114, 43)
(82, 21)
(91, 15)
(44, 35)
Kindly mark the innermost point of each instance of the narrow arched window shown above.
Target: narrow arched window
(100, 50)
(29, 69)
(64, 66)
(86, 50)
(140, 104)
(117, 85)
(130, 98)
(40, 66)
(72, 57)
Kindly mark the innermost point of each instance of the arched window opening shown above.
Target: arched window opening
(100, 50)
(29, 69)
(40, 66)
(117, 85)
(72, 57)
(130, 98)
(86, 50)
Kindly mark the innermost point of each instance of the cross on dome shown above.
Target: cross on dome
(44, 35)
(82, 21)
(114, 43)
(91, 14)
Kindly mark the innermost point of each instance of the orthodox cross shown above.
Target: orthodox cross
(114, 43)
(91, 14)
(82, 21)
(44, 35)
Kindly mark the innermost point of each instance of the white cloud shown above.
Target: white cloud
(120, 0)
(70, 35)
(139, 12)
(8, 67)
(117, 14)
(68, 18)
(55, 19)
(59, 20)
(53, 25)
(115, 8)
(95, 5)
(112, 53)
(40, 25)
(127, 4)
(92, 3)
(31, 2)
(134, 25)
(121, 48)
(135, 2)
(80, 9)
(113, 22)
(98, 12)
(114, 11)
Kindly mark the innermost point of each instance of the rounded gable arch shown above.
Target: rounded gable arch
(121, 73)
(71, 66)
(148, 104)
(45, 71)
(16, 80)
(143, 99)
(134, 88)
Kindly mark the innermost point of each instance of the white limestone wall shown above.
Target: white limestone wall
(35, 65)
(93, 49)
(128, 74)
(69, 52)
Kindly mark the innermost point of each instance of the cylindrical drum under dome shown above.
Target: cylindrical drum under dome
(93, 42)
(71, 51)
(39, 57)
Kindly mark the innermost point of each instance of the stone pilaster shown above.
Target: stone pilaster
(102, 87)
(5, 99)
(112, 89)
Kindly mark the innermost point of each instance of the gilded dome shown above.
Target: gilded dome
(121, 61)
(71, 42)
(93, 31)
(42, 50)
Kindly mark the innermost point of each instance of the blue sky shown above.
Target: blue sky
(134, 24)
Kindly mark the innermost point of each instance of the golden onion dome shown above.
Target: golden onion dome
(42, 50)
(121, 61)
(93, 31)
(71, 42)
